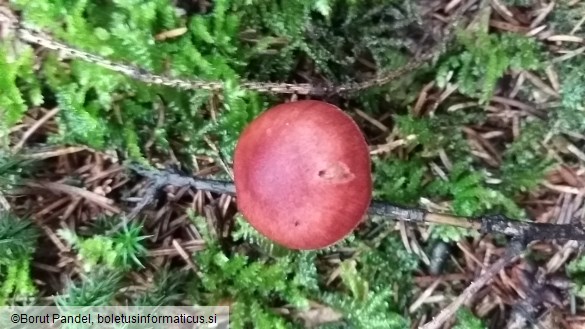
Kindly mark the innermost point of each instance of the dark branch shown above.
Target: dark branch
(524, 230)
(163, 178)
(532, 231)
(159, 179)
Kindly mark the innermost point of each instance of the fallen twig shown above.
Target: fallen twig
(498, 224)
(521, 232)
(32, 36)
(160, 179)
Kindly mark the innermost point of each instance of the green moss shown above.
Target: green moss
(284, 41)
(477, 72)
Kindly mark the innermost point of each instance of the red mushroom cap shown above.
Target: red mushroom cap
(302, 174)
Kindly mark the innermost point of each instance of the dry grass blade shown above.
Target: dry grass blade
(56, 152)
(4, 205)
(34, 128)
(95, 198)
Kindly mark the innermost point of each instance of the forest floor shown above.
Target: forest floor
(492, 122)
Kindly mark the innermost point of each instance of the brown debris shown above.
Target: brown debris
(77, 184)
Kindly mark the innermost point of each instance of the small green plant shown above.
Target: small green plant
(471, 196)
(253, 282)
(12, 170)
(466, 320)
(16, 280)
(14, 101)
(370, 295)
(466, 185)
(120, 249)
(102, 109)
(477, 72)
(576, 271)
(570, 116)
(96, 288)
(18, 241)
(525, 161)
(18, 237)
(167, 289)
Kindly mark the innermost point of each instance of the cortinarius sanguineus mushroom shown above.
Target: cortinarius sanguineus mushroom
(302, 174)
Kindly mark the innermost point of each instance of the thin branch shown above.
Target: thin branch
(415, 215)
(160, 179)
(520, 232)
(498, 224)
(513, 251)
(33, 36)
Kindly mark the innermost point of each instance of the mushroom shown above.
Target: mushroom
(302, 174)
